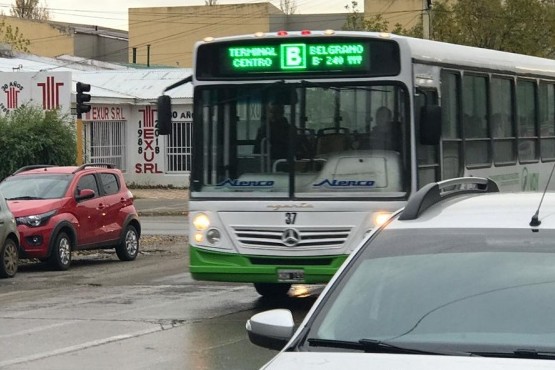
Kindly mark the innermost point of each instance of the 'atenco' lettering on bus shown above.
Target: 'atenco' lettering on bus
(234, 183)
(345, 183)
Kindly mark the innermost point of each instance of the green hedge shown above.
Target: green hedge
(30, 136)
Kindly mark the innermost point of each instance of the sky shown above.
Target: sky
(113, 13)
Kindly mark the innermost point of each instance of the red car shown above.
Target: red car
(59, 210)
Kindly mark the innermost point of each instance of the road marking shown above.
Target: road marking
(82, 346)
(34, 330)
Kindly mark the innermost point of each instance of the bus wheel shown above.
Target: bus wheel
(272, 289)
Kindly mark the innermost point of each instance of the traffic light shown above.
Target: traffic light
(82, 99)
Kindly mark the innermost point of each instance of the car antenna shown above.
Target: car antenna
(535, 221)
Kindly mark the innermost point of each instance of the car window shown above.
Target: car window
(461, 289)
(48, 186)
(109, 183)
(87, 182)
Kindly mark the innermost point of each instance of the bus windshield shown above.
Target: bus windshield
(301, 140)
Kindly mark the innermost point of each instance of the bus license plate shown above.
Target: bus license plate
(291, 275)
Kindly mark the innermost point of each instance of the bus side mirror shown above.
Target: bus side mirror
(164, 115)
(430, 124)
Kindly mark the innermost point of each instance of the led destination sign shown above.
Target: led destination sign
(300, 57)
(311, 57)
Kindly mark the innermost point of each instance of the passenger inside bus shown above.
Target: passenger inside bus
(386, 134)
(273, 133)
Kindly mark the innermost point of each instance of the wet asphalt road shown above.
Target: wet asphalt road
(165, 225)
(144, 314)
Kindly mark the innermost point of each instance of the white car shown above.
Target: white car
(462, 278)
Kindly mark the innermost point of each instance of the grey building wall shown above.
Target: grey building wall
(101, 46)
(298, 22)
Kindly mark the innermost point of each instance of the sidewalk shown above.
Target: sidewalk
(161, 202)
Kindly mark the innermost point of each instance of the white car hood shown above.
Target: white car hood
(358, 361)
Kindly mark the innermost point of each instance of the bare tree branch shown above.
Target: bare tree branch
(30, 9)
(288, 6)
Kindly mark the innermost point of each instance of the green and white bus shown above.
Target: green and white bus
(366, 120)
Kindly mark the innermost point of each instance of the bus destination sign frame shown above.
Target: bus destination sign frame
(298, 57)
(314, 57)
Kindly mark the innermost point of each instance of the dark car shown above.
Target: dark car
(61, 209)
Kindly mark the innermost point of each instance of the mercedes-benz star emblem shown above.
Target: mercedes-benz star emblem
(290, 237)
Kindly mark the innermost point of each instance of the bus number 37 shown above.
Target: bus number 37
(290, 218)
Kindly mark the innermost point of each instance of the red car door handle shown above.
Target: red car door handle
(101, 206)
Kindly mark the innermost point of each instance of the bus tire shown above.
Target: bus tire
(272, 289)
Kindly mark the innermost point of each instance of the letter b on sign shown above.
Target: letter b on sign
(293, 56)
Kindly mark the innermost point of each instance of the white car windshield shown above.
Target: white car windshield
(482, 290)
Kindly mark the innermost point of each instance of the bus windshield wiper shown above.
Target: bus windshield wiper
(521, 353)
(377, 346)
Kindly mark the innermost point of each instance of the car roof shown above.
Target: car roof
(479, 208)
(494, 210)
(42, 169)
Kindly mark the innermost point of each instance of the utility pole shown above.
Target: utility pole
(426, 18)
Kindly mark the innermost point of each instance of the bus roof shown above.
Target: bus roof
(429, 51)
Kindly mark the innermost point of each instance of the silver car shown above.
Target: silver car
(9, 242)
(462, 278)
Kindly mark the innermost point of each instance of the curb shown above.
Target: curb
(147, 213)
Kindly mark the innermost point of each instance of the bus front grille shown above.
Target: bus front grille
(292, 261)
(292, 237)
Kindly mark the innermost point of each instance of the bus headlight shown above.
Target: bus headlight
(199, 238)
(379, 218)
(213, 236)
(201, 222)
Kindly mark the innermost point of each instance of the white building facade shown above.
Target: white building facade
(126, 136)
(121, 127)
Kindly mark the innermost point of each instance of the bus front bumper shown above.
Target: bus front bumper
(217, 266)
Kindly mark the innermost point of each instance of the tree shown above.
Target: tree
(518, 26)
(30, 9)
(357, 21)
(288, 6)
(210, 2)
(30, 135)
(13, 37)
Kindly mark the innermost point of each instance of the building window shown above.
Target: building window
(105, 142)
(178, 147)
